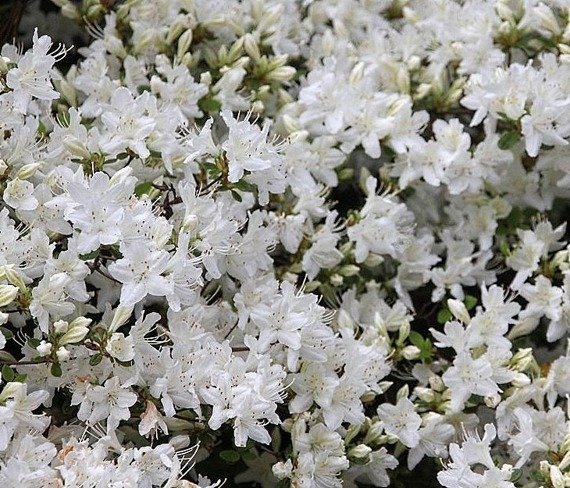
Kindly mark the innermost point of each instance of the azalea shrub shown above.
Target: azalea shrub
(306, 243)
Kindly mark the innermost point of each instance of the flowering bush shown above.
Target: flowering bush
(288, 243)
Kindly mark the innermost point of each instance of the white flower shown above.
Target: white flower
(469, 376)
(121, 347)
(402, 421)
(19, 195)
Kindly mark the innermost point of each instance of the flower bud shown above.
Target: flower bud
(556, 477)
(4, 64)
(520, 380)
(403, 392)
(70, 11)
(336, 279)
(356, 73)
(7, 294)
(62, 354)
(67, 91)
(61, 326)
(251, 47)
(75, 333)
(404, 332)
(349, 270)
(28, 170)
(547, 19)
(436, 383)
(44, 348)
(359, 454)
(282, 470)
(425, 394)
(352, 432)
(10, 390)
(565, 463)
(492, 400)
(3, 167)
(411, 352)
(257, 107)
(184, 43)
(76, 147)
(291, 125)
(523, 327)
(283, 73)
(522, 359)
(459, 311)
(122, 314)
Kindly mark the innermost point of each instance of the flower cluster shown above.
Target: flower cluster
(318, 243)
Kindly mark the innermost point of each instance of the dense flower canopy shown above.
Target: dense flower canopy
(312, 243)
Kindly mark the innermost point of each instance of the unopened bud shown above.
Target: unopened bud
(283, 73)
(10, 390)
(425, 394)
(336, 279)
(62, 354)
(184, 43)
(70, 11)
(282, 470)
(76, 147)
(556, 477)
(61, 326)
(74, 335)
(356, 73)
(349, 270)
(44, 348)
(122, 314)
(492, 400)
(520, 380)
(290, 124)
(522, 359)
(28, 170)
(411, 352)
(359, 454)
(459, 311)
(403, 392)
(547, 19)
(251, 47)
(7, 294)
(436, 383)
(14, 277)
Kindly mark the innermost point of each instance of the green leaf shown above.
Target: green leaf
(5, 356)
(143, 188)
(96, 359)
(509, 139)
(236, 195)
(504, 247)
(244, 186)
(470, 302)
(7, 333)
(230, 456)
(443, 316)
(56, 370)
(416, 339)
(33, 342)
(21, 378)
(248, 456)
(8, 373)
(209, 104)
(516, 475)
(89, 256)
